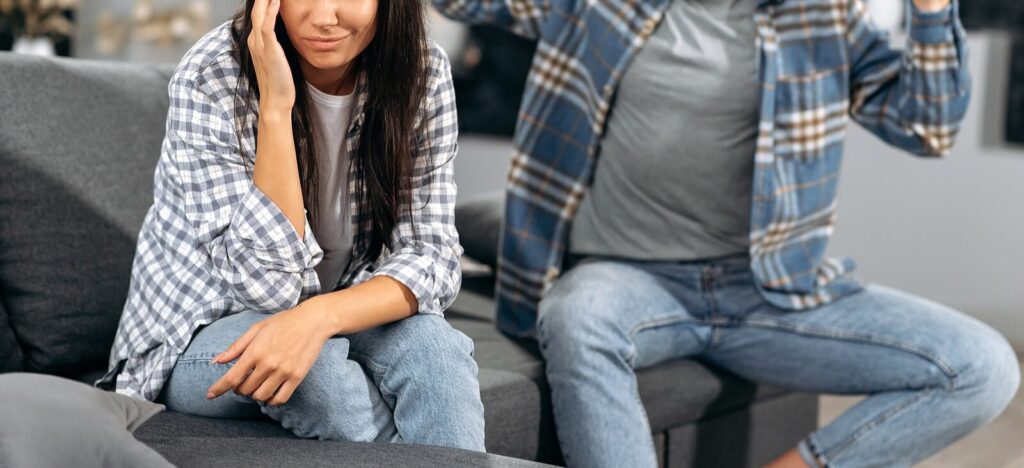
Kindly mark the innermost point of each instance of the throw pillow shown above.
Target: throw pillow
(51, 421)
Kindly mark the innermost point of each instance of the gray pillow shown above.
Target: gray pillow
(10, 351)
(479, 224)
(48, 421)
(78, 143)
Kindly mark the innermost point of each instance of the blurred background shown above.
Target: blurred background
(950, 230)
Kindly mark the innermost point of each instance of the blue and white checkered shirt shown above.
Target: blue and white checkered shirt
(213, 244)
(823, 62)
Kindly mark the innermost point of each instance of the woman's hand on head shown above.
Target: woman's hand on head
(273, 356)
(273, 74)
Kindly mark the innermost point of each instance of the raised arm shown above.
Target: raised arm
(913, 99)
(523, 17)
(252, 244)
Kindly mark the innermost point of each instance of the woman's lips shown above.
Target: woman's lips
(323, 44)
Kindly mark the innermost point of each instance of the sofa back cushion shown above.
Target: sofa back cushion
(79, 142)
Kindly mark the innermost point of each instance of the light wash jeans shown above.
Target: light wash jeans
(411, 381)
(933, 374)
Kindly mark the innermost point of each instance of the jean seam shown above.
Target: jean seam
(937, 361)
(875, 422)
(201, 358)
(647, 325)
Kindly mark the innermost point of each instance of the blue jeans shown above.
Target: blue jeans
(411, 381)
(933, 374)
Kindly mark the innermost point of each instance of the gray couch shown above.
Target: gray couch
(78, 144)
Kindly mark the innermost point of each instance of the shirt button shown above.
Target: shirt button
(608, 90)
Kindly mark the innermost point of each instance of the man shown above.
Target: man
(702, 227)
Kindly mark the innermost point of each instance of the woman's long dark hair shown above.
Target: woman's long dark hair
(395, 65)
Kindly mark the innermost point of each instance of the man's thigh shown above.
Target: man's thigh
(875, 340)
(620, 306)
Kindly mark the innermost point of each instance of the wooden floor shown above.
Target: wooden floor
(997, 445)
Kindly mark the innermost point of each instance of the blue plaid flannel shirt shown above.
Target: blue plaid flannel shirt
(822, 63)
(213, 244)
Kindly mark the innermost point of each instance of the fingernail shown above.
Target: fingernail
(209, 395)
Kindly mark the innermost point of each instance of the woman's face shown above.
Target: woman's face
(329, 34)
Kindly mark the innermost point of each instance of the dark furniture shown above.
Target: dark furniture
(78, 144)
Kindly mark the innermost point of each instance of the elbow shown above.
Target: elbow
(451, 287)
(267, 291)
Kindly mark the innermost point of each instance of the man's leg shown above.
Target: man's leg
(932, 373)
(599, 322)
(426, 373)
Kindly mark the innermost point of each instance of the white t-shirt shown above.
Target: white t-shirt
(333, 230)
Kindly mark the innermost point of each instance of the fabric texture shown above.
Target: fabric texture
(213, 244)
(52, 422)
(10, 351)
(244, 452)
(823, 62)
(74, 191)
(675, 167)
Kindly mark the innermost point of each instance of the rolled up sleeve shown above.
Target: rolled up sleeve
(914, 98)
(425, 244)
(252, 246)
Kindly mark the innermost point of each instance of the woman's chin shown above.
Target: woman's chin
(326, 61)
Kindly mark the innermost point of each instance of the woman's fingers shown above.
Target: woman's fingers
(269, 387)
(270, 19)
(259, 12)
(231, 379)
(284, 392)
(238, 347)
(254, 380)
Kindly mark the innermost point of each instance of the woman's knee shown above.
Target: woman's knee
(335, 401)
(429, 345)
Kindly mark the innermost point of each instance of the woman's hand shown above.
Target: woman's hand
(273, 74)
(274, 355)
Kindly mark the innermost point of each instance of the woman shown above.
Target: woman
(301, 248)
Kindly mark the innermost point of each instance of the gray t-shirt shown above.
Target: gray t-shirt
(333, 229)
(673, 181)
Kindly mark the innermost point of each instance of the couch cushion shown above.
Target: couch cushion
(248, 451)
(10, 351)
(196, 441)
(479, 225)
(78, 144)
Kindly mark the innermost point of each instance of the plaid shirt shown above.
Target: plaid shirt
(822, 62)
(213, 244)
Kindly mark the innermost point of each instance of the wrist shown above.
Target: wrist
(273, 112)
(326, 319)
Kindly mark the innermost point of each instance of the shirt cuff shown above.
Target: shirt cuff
(932, 27)
(416, 272)
(265, 229)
